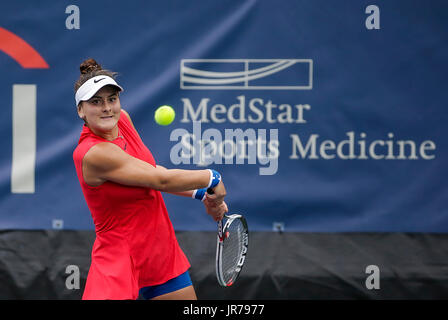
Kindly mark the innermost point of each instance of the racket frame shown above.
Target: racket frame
(222, 230)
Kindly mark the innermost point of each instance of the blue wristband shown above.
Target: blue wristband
(215, 179)
(199, 194)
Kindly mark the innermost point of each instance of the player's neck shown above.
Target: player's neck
(107, 135)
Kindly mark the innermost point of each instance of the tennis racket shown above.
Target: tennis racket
(231, 249)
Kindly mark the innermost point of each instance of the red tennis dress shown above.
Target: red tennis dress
(135, 243)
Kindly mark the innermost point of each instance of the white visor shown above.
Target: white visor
(91, 86)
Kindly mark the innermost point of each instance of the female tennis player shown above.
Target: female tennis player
(135, 251)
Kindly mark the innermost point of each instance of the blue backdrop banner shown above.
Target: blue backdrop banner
(321, 116)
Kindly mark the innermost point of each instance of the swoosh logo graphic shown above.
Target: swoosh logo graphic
(208, 77)
(212, 74)
(244, 74)
(21, 51)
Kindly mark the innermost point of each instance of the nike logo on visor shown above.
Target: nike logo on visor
(98, 80)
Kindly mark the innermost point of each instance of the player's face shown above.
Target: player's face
(102, 111)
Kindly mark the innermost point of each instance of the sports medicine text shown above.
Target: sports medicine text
(252, 146)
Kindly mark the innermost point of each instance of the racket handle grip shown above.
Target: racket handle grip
(210, 191)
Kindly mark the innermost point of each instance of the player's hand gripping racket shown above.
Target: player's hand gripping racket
(231, 248)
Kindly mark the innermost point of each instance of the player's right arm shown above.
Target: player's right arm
(107, 162)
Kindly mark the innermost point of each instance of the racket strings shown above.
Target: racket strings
(232, 250)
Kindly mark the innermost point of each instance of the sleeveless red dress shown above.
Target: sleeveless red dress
(135, 243)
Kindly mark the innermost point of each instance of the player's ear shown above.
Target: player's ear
(81, 112)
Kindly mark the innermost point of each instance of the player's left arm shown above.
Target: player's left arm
(215, 211)
(183, 193)
(188, 193)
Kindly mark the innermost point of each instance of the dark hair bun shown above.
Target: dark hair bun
(89, 65)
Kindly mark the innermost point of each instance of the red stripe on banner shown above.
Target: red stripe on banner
(21, 51)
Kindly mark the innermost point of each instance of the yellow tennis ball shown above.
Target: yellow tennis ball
(164, 115)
